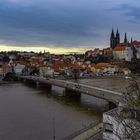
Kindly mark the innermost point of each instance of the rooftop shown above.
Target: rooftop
(113, 112)
(125, 113)
(120, 47)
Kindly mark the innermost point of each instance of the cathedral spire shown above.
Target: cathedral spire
(131, 40)
(112, 40)
(125, 38)
(117, 37)
(117, 33)
(112, 33)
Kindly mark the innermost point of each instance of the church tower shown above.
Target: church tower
(131, 40)
(117, 37)
(112, 40)
(125, 39)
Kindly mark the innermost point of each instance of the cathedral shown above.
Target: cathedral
(115, 39)
(124, 50)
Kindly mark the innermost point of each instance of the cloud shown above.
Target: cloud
(63, 22)
(131, 11)
(50, 25)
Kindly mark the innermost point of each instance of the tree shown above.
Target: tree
(134, 65)
(126, 121)
(132, 94)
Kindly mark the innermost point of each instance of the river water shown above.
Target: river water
(30, 113)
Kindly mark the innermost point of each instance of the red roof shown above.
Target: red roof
(119, 47)
(101, 65)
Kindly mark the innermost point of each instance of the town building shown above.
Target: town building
(1, 69)
(136, 48)
(123, 51)
(18, 68)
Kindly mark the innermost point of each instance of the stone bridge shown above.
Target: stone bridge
(75, 89)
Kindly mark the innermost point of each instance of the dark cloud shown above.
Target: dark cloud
(131, 11)
(36, 25)
(61, 22)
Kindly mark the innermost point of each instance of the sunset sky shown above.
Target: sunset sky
(63, 26)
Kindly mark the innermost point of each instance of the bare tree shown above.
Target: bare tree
(126, 118)
(132, 94)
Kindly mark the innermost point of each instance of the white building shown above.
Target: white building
(18, 68)
(121, 51)
(138, 51)
(117, 124)
(46, 71)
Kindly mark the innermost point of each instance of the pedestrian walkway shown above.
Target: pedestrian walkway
(89, 133)
(97, 136)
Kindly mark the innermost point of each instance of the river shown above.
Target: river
(28, 113)
(31, 113)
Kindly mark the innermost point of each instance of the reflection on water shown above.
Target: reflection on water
(27, 113)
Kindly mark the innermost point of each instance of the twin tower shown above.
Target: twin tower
(115, 39)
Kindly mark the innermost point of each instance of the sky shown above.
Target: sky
(65, 26)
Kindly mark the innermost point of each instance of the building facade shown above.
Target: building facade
(123, 52)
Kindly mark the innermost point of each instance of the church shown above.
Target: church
(124, 50)
(115, 39)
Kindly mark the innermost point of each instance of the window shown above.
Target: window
(135, 114)
(108, 127)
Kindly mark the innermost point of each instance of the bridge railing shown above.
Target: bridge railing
(106, 94)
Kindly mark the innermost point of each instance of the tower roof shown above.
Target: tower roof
(125, 38)
(112, 33)
(131, 40)
(117, 33)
